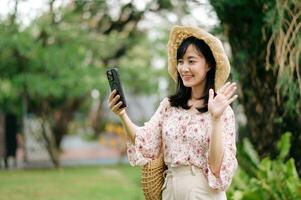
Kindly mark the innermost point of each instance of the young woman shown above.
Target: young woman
(195, 127)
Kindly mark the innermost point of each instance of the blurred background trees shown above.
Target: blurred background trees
(50, 67)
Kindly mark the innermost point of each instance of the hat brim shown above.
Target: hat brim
(180, 33)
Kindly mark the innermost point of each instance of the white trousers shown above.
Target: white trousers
(188, 183)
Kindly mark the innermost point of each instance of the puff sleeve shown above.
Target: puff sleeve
(148, 138)
(229, 162)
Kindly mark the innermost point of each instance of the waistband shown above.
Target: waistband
(182, 170)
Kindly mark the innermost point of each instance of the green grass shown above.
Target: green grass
(81, 183)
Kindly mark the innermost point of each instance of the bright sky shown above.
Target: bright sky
(29, 9)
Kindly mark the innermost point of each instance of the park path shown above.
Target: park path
(77, 151)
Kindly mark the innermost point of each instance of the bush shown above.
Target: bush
(267, 178)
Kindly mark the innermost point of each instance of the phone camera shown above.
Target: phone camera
(110, 76)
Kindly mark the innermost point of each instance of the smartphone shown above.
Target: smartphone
(115, 83)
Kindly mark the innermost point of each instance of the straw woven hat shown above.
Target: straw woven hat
(180, 33)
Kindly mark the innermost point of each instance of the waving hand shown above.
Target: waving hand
(224, 97)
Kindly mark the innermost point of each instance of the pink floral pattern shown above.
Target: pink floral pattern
(185, 137)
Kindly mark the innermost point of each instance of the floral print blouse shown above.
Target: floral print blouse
(184, 136)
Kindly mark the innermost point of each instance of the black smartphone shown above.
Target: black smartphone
(115, 83)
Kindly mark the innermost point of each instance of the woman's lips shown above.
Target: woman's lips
(187, 77)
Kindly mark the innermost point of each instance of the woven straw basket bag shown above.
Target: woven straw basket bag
(152, 178)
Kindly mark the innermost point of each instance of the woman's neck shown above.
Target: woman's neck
(197, 92)
(196, 100)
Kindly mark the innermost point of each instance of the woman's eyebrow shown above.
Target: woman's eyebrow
(189, 57)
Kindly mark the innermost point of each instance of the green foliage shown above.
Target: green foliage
(283, 22)
(50, 67)
(135, 69)
(266, 178)
(248, 157)
(51, 72)
(265, 49)
(58, 60)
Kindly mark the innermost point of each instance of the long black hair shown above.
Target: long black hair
(183, 94)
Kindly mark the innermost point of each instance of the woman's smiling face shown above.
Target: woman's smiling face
(193, 68)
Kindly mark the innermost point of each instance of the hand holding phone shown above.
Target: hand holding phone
(115, 84)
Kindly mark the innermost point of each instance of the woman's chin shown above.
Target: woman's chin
(187, 84)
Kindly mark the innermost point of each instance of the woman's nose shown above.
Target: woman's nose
(185, 66)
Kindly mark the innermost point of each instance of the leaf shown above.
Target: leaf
(238, 195)
(291, 169)
(284, 145)
(250, 151)
(265, 168)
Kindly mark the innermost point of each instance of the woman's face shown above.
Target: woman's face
(193, 68)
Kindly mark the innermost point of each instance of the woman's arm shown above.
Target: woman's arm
(144, 142)
(216, 107)
(129, 126)
(216, 147)
(222, 146)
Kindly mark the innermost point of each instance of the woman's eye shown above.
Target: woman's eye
(191, 61)
(180, 62)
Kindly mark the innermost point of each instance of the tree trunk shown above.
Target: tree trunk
(61, 119)
(50, 144)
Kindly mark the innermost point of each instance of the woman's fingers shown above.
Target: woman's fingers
(230, 90)
(227, 91)
(116, 107)
(112, 95)
(211, 94)
(232, 99)
(222, 89)
(113, 102)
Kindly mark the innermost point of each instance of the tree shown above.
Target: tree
(51, 66)
(265, 42)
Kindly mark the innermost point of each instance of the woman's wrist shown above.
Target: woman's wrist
(215, 119)
(122, 114)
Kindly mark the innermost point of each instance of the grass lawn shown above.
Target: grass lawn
(81, 183)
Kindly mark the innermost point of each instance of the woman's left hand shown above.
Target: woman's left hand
(224, 97)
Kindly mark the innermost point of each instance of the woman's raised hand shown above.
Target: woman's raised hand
(224, 97)
(114, 105)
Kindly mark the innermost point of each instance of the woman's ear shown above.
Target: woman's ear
(208, 68)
